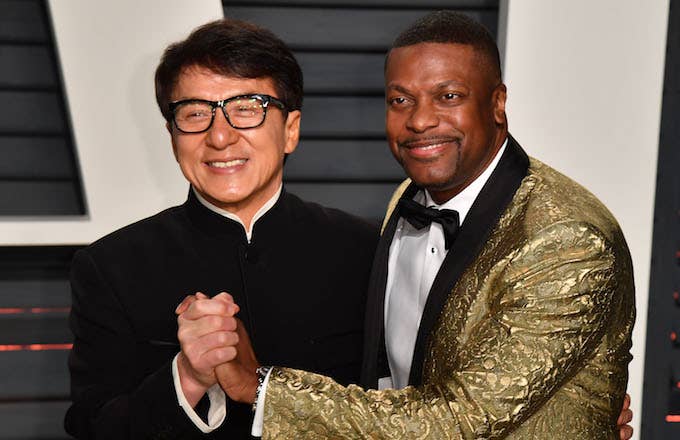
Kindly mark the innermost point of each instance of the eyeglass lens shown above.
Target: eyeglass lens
(242, 113)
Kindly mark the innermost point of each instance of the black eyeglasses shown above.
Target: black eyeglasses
(243, 111)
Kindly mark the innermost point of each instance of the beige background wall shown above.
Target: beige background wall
(585, 81)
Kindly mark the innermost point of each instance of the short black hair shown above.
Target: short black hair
(452, 27)
(232, 48)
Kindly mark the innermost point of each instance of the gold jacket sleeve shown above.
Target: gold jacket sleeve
(532, 343)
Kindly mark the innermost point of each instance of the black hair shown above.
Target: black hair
(231, 48)
(453, 27)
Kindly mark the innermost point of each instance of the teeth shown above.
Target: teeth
(428, 147)
(231, 163)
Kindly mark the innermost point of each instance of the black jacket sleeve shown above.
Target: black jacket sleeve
(114, 394)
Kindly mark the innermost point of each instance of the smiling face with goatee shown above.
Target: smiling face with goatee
(445, 116)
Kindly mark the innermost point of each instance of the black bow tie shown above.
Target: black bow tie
(420, 216)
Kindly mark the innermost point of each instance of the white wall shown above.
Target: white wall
(109, 51)
(585, 84)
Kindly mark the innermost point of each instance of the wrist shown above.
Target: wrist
(192, 387)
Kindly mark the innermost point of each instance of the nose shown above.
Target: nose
(422, 118)
(221, 134)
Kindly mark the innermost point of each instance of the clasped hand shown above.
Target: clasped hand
(215, 348)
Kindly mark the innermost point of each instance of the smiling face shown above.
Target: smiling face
(236, 170)
(445, 115)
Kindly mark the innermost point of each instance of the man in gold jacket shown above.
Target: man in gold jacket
(523, 328)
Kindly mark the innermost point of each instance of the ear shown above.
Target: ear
(499, 96)
(292, 131)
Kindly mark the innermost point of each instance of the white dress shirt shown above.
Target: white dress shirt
(217, 411)
(419, 252)
(414, 260)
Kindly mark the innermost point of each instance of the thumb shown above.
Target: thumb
(184, 305)
(229, 300)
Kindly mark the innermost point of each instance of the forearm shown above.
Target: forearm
(309, 406)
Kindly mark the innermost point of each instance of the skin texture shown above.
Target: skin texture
(243, 188)
(207, 336)
(236, 377)
(626, 416)
(445, 121)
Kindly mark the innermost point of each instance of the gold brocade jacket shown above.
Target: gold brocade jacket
(532, 342)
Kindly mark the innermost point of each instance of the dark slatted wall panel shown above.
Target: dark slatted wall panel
(38, 176)
(343, 160)
(661, 401)
(34, 341)
(38, 172)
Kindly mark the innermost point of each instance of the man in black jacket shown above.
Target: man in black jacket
(231, 94)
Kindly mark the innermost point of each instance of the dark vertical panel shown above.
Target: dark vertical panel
(38, 174)
(341, 28)
(26, 66)
(350, 73)
(661, 400)
(34, 336)
(377, 4)
(36, 198)
(35, 157)
(23, 21)
(29, 112)
(32, 420)
(34, 374)
(343, 160)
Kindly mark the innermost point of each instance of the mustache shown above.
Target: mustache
(414, 142)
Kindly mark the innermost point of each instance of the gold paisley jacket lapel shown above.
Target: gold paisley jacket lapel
(480, 221)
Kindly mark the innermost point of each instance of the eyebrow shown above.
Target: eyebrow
(438, 86)
(444, 84)
(397, 87)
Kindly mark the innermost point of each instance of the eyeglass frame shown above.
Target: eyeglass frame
(266, 100)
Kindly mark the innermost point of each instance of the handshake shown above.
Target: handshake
(215, 348)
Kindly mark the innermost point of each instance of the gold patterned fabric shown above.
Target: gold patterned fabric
(533, 341)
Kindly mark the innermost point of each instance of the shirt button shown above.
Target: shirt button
(433, 250)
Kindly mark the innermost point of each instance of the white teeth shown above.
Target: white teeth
(429, 147)
(231, 163)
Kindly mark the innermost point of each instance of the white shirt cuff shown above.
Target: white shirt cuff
(218, 404)
(258, 420)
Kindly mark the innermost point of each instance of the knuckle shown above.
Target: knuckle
(230, 323)
(221, 355)
(221, 307)
(222, 338)
(225, 354)
(217, 322)
(230, 352)
(182, 334)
